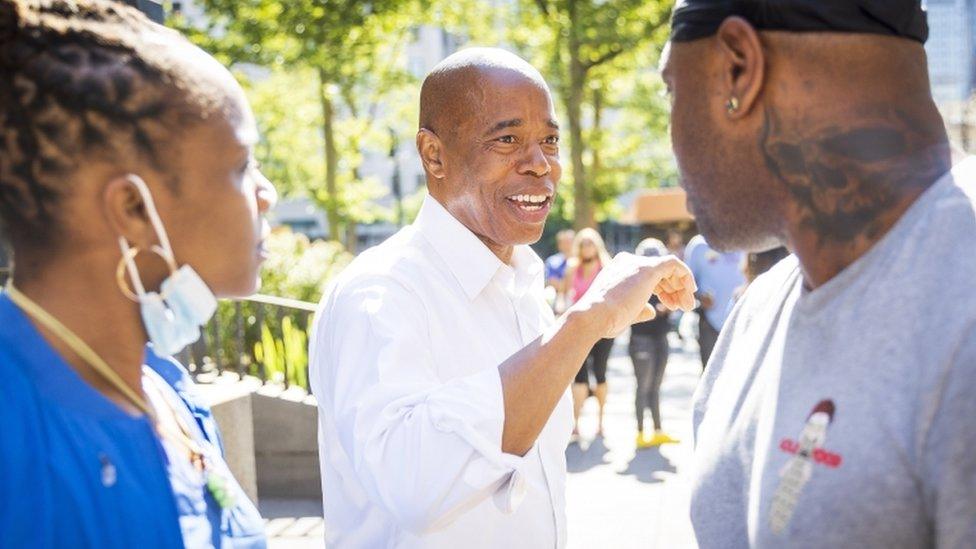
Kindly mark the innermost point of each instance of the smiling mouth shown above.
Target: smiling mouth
(530, 202)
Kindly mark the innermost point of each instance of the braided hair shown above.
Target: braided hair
(82, 79)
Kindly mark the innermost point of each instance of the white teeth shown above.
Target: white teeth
(531, 199)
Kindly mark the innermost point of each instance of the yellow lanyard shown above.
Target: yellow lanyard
(87, 354)
(78, 346)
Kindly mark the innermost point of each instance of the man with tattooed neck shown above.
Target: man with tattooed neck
(838, 409)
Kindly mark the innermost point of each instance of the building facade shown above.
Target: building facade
(951, 51)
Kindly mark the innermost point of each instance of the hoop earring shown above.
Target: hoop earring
(129, 255)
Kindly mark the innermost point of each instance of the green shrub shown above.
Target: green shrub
(267, 340)
(299, 269)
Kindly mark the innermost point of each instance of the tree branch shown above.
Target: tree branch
(618, 49)
(543, 6)
(608, 56)
(349, 100)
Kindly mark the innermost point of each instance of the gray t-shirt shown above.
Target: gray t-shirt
(846, 416)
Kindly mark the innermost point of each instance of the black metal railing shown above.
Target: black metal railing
(262, 336)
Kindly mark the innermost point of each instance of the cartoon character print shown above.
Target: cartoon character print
(807, 452)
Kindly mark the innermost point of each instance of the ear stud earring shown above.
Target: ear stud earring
(732, 105)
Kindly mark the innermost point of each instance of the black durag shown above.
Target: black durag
(694, 19)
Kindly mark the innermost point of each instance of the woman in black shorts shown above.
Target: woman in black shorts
(589, 257)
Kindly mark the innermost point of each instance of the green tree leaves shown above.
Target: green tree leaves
(336, 82)
(332, 65)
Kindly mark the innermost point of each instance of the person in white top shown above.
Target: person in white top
(440, 372)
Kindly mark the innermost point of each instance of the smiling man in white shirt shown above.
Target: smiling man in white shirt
(440, 372)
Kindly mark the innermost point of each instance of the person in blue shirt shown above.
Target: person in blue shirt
(556, 268)
(718, 275)
(130, 199)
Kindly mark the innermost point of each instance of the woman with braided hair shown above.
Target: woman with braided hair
(130, 199)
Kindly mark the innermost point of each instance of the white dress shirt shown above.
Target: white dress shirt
(404, 364)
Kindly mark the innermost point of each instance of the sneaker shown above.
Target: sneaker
(642, 442)
(660, 437)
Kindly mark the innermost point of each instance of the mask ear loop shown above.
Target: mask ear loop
(163, 250)
(126, 263)
(166, 251)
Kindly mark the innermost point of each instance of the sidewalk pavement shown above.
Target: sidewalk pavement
(617, 498)
(621, 498)
(293, 523)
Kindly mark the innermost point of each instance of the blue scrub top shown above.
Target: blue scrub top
(77, 471)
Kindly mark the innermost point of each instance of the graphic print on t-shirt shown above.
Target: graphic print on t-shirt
(807, 451)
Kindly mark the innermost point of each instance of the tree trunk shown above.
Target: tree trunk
(331, 159)
(581, 191)
(582, 210)
(352, 239)
(596, 139)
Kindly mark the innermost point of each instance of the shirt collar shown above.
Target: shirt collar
(470, 261)
(525, 271)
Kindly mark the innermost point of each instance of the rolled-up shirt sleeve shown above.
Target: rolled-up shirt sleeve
(425, 450)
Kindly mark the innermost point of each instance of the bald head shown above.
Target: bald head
(489, 142)
(455, 89)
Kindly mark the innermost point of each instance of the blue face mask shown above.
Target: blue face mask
(168, 333)
(173, 316)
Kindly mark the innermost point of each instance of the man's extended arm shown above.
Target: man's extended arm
(535, 378)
